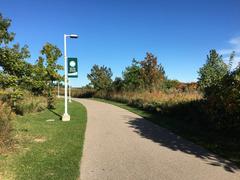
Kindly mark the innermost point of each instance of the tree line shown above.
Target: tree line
(17, 74)
(218, 82)
(145, 75)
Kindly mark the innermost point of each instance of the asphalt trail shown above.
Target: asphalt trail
(120, 145)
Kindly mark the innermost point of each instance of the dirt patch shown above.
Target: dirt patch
(40, 139)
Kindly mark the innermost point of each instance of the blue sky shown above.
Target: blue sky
(112, 33)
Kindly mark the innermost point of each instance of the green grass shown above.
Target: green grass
(46, 150)
(214, 141)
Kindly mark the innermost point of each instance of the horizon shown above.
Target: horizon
(180, 34)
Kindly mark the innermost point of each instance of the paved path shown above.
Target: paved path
(120, 145)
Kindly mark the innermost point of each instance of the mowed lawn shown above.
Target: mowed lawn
(46, 147)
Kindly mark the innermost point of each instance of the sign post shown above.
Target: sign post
(66, 116)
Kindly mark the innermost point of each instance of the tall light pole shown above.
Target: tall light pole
(66, 116)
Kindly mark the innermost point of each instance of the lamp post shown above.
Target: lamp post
(66, 116)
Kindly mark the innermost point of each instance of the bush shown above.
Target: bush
(154, 102)
(171, 84)
(5, 126)
(30, 104)
(22, 102)
(223, 105)
(83, 93)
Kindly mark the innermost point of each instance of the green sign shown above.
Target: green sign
(72, 67)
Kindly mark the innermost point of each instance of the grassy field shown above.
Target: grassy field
(214, 141)
(46, 147)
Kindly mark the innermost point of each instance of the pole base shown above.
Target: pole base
(65, 117)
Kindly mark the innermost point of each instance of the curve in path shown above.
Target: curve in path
(122, 145)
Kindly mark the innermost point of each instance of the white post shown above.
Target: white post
(65, 116)
(58, 90)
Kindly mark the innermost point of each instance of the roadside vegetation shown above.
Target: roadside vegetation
(24, 87)
(34, 142)
(46, 147)
(207, 112)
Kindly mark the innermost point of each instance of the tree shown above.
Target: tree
(39, 77)
(52, 53)
(146, 74)
(132, 77)
(100, 77)
(153, 73)
(16, 72)
(223, 102)
(5, 35)
(117, 84)
(212, 72)
(221, 87)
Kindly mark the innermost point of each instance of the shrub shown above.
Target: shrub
(212, 72)
(30, 103)
(5, 126)
(83, 93)
(223, 105)
(22, 102)
(11, 97)
(156, 101)
(171, 84)
(221, 88)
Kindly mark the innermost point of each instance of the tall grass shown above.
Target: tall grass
(156, 101)
(9, 106)
(6, 116)
(23, 102)
(157, 96)
(79, 92)
(30, 104)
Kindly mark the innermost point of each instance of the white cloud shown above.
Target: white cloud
(234, 46)
(235, 62)
(236, 42)
(225, 51)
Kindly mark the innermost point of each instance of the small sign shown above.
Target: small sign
(72, 67)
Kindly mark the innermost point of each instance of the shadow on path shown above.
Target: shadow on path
(163, 137)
